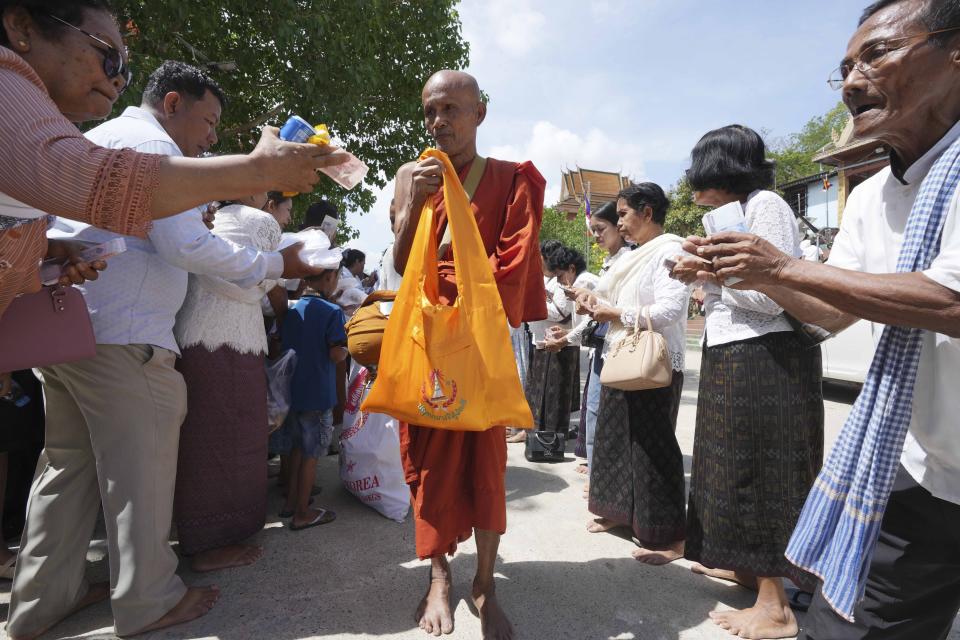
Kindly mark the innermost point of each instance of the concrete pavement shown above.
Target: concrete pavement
(359, 578)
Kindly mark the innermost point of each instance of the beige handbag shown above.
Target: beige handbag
(639, 361)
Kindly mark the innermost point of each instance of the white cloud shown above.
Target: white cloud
(514, 26)
(553, 149)
(374, 227)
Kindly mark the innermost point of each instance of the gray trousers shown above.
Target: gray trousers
(113, 428)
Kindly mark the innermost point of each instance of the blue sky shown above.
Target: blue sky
(632, 85)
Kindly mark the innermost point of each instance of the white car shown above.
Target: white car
(847, 356)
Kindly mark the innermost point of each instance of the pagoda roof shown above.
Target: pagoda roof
(847, 148)
(604, 187)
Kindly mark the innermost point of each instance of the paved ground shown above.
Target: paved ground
(358, 577)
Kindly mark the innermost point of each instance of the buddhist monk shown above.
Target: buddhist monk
(457, 477)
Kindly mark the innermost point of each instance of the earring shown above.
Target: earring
(22, 43)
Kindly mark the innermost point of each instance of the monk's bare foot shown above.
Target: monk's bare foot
(494, 624)
(434, 614)
(196, 602)
(659, 557)
(95, 593)
(599, 525)
(234, 555)
(743, 579)
(759, 622)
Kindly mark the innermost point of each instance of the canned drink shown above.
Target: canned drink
(296, 129)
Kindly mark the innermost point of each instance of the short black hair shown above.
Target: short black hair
(41, 10)
(564, 257)
(182, 78)
(316, 212)
(607, 212)
(549, 247)
(731, 158)
(647, 193)
(352, 257)
(935, 15)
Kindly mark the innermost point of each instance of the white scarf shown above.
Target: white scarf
(629, 266)
(618, 285)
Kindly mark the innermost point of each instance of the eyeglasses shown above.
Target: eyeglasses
(113, 64)
(873, 56)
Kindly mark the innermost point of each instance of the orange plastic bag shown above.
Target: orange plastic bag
(449, 367)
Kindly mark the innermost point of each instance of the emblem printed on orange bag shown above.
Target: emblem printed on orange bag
(437, 404)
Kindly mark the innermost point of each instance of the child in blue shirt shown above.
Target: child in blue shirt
(314, 329)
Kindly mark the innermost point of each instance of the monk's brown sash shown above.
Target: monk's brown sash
(470, 185)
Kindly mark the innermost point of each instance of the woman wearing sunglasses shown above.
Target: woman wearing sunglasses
(63, 63)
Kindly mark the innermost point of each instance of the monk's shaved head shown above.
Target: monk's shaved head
(452, 111)
(448, 80)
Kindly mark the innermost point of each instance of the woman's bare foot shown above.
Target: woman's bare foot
(583, 468)
(196, 602)
(234, 555)
(743, 579)
(494, 624)
(659, 557)
(434, 614)
(759, 622)
(599, 525)
(95, 593)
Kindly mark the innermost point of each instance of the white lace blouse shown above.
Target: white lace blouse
(734, 315)
(218, 313)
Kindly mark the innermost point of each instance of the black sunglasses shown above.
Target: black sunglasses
(113, 64)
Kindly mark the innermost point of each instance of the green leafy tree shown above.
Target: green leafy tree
(684, 218)
(572, 233)
(356, 66)
(793, 154)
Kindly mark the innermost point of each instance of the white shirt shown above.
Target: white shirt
(135, 301)
(556, 303)
(575, 337)
(388, 279)
(560, 309)
(666, 300)
(870, 237)
(734, 315)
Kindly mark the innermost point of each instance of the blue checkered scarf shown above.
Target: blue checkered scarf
(840, 522)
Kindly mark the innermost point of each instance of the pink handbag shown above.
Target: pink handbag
(51, 326)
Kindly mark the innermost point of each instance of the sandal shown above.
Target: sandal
(799, 600)
(324, 517)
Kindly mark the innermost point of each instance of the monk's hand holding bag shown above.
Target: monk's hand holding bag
(449, 366)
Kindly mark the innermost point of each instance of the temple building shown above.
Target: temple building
(847, 162)
(603, 185)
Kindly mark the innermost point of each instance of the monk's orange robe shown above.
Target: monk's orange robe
(456, 478)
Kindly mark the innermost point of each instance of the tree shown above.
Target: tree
(793, 153)
(572, 233)
(684, 218)
(356, 66)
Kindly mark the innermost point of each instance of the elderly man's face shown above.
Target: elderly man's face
(915, 81)
(452, 114)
